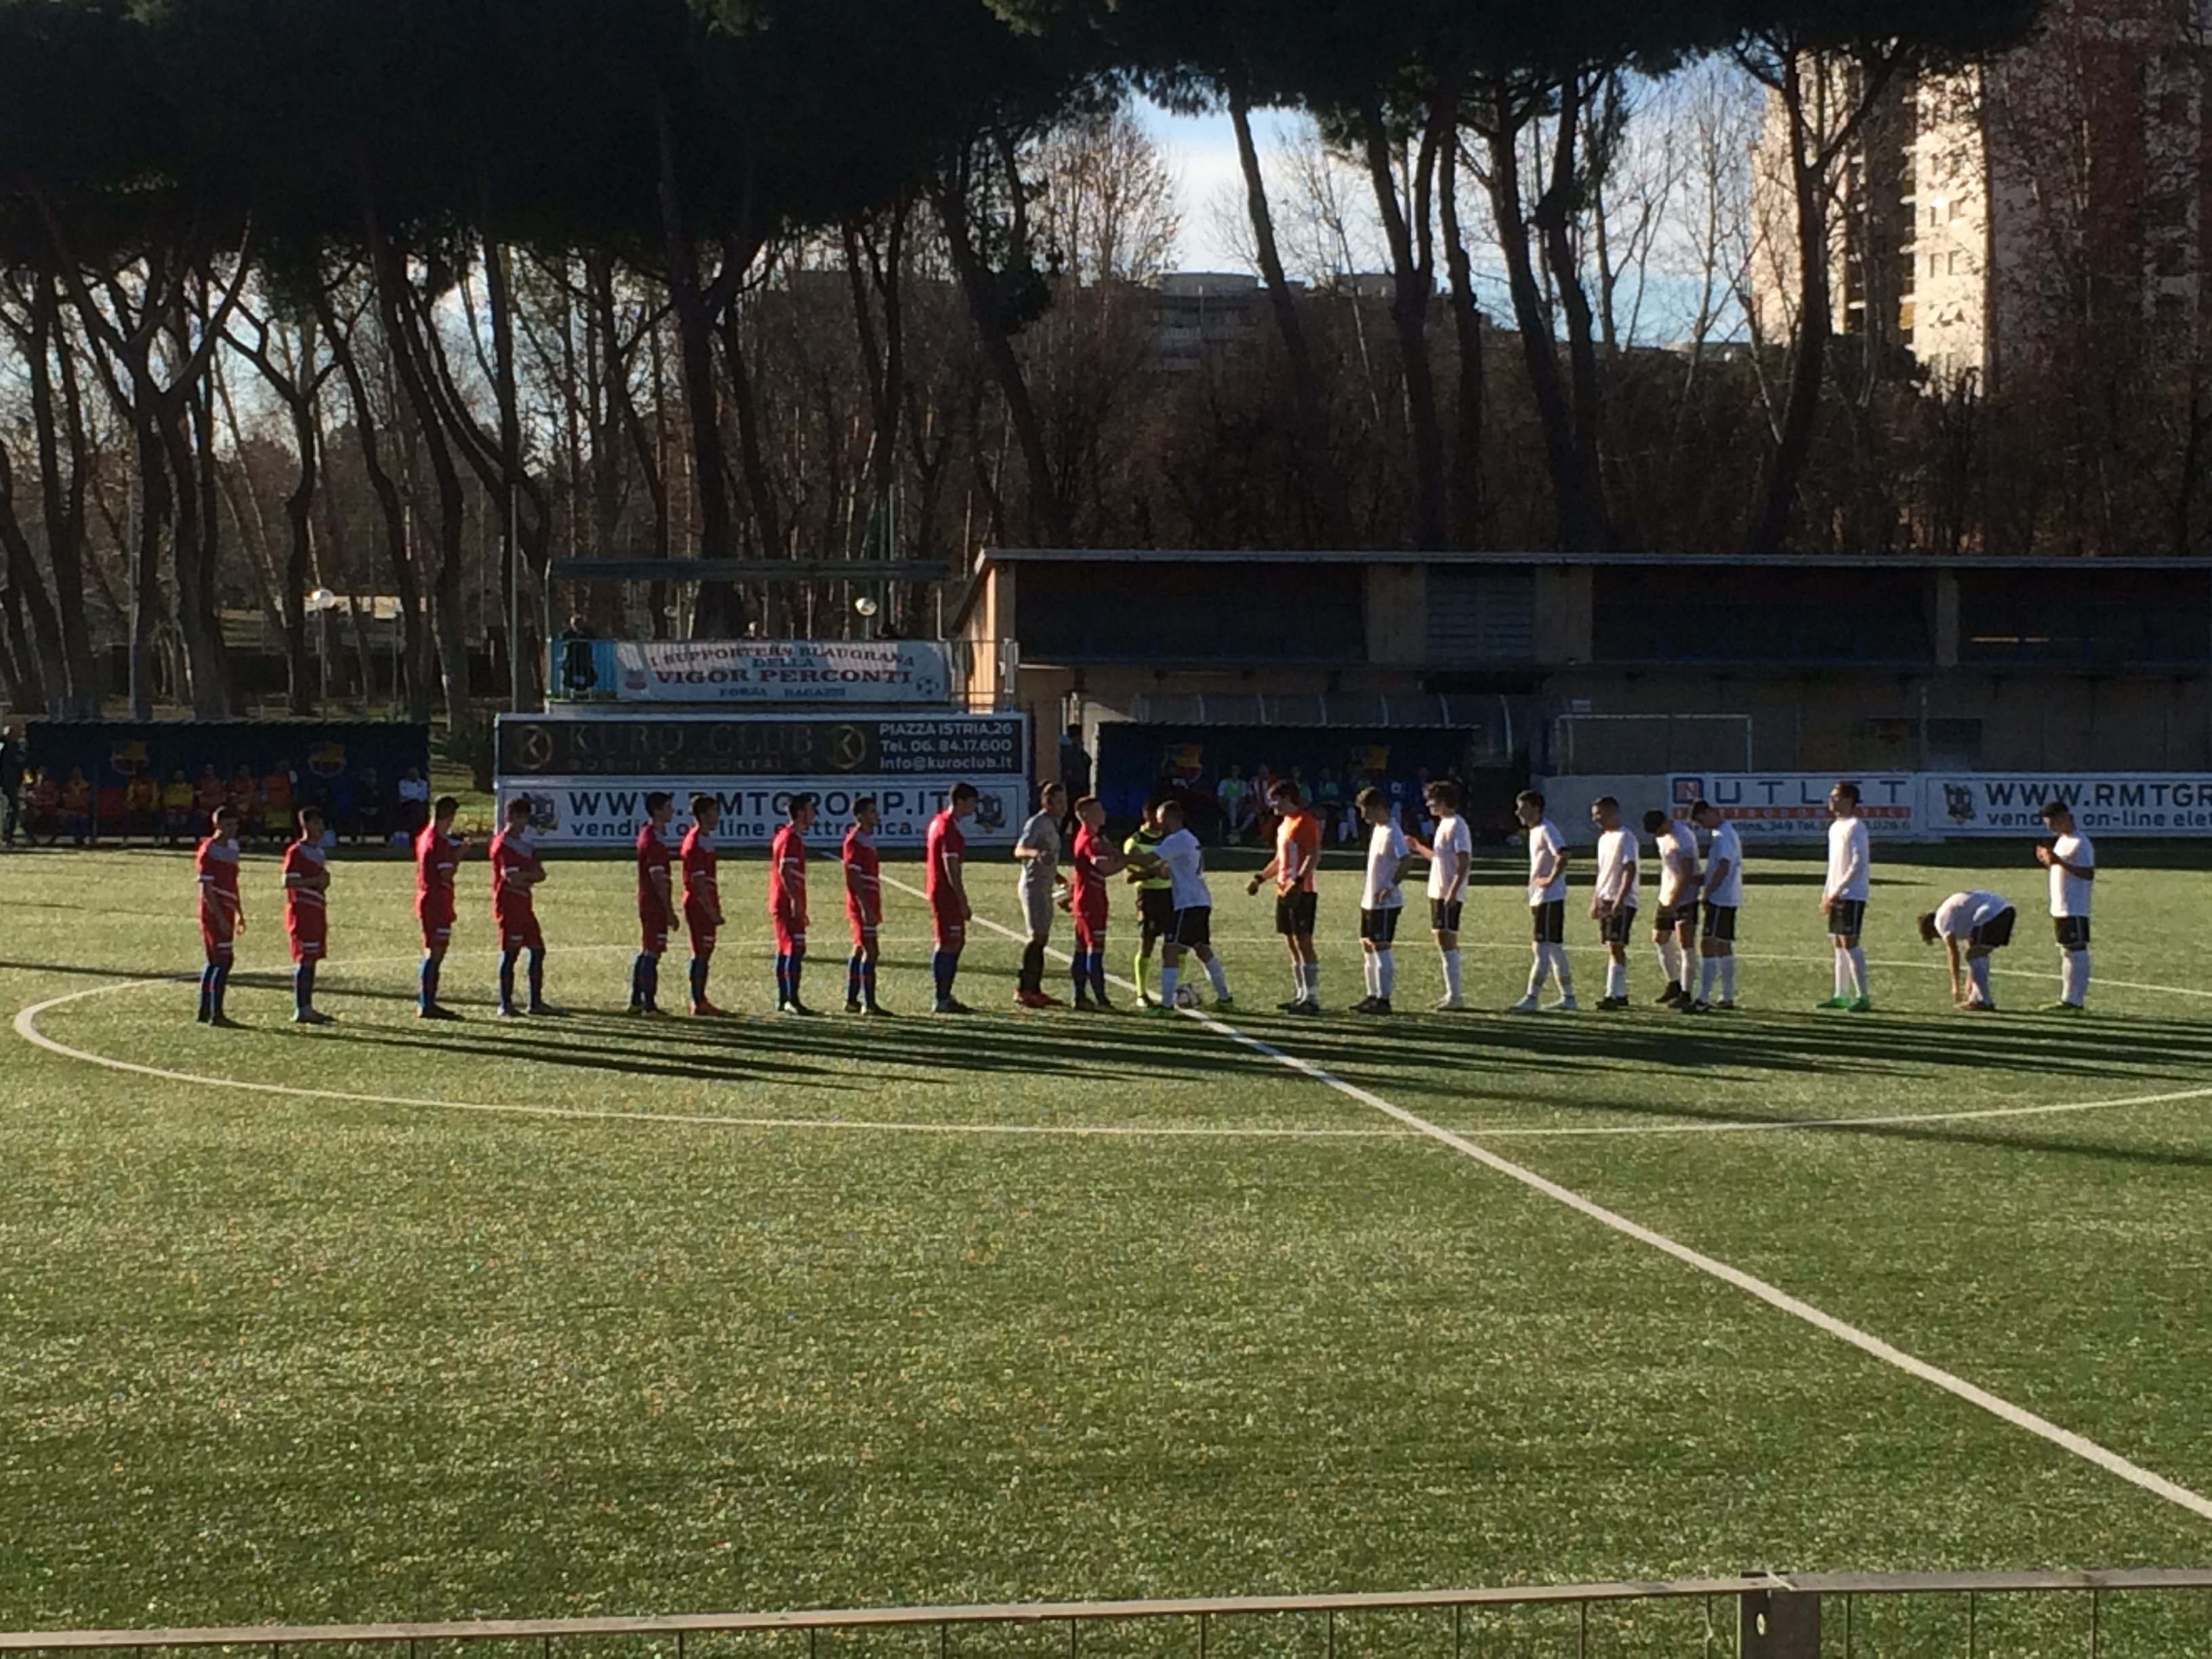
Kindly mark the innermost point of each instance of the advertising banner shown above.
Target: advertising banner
(1797, 803)
(608, 812)
(857, 671)
(587, 773)
(2102, 803)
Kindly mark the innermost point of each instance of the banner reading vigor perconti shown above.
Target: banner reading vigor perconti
(752, 670)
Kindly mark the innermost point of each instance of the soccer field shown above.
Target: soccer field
(391, 1320)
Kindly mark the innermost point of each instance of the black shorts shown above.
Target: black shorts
(1847, 918)
(1720, 922)
(1673, 916)
(1444, 915)
(1155, 913)
(1193, 929)
(1619, 927)
(1995, 933)
(2073, 932)
(1294, 913)
(1549, 921)
(1380, 927)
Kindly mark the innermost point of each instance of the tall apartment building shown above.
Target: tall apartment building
(2057, 200)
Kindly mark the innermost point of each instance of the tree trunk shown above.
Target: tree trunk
(720, 610)
(522, 678)
(1800, 408)
(41, 672)
(1413, 280)
(1317, 460)
(299, 549)
(80, 685)
(1047, 515)
(1555, 214)
(1574, 517)
(1465, 492)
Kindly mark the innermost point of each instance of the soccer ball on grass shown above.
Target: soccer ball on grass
(1186, 996)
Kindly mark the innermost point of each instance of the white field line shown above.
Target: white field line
(26, 1026)
(2020, 1418)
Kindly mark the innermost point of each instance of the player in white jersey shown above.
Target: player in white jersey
(1547, 904)
(1450, 854)
(1381, 900)
(1843, 898)
(1724, 897)
(1674, 926)
(2072, 862)
(1613, 905)
(1192, 927)
(1981, 922)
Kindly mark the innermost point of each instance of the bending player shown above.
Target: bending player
(1675, 927)
(307, 914)
(223, 912)
(1547, 905)
(786, 902)
(516, 873)
(1981, 922)
(864, 906)
(1293, 868)
(1724, 897)
(945, 888)
(1193, 931)
(1091, 859)
(1450, 854)
(656, 903)
(703, 898)
(437, 850)
(2072, 862)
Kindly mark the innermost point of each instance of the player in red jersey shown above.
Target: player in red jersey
(307, 914)
(516, 870)
(947, 892)
(864, 907)
(786, 902)
(656, 903)
(703, 897)
(437, 850)
(1091, 859)
(222, 916)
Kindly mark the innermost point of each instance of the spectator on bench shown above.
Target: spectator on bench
(369, 818)
(414, 802)
(76, 806)
(142, 808)
(46, 810)
(177, 797)
(278, 797)
(244, 799)
(209, 798)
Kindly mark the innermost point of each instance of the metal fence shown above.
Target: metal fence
(1755, 1616)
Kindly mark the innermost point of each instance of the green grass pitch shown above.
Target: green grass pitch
(589, 1316)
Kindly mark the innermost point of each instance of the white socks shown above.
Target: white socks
(1728, 977)
(1386, 972)
(1616, 979)
(1842, 976)
(1670, 961)
(1977, 971)
(1369, 974)
(1856, 957)
(1709, 971)
(2074, 977)
(1560, 971)
(1305, 981)
(1452, 975)
(1219, 976)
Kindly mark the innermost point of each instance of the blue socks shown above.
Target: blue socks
(214, 979)
(430, 982)
(537, 978)
(698, 970)
(303, 987)
(1088, 971)
(787, 964)
(506, 981)
(943, 966)
(644, 980)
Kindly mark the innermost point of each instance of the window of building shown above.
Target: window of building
(1478, 616)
